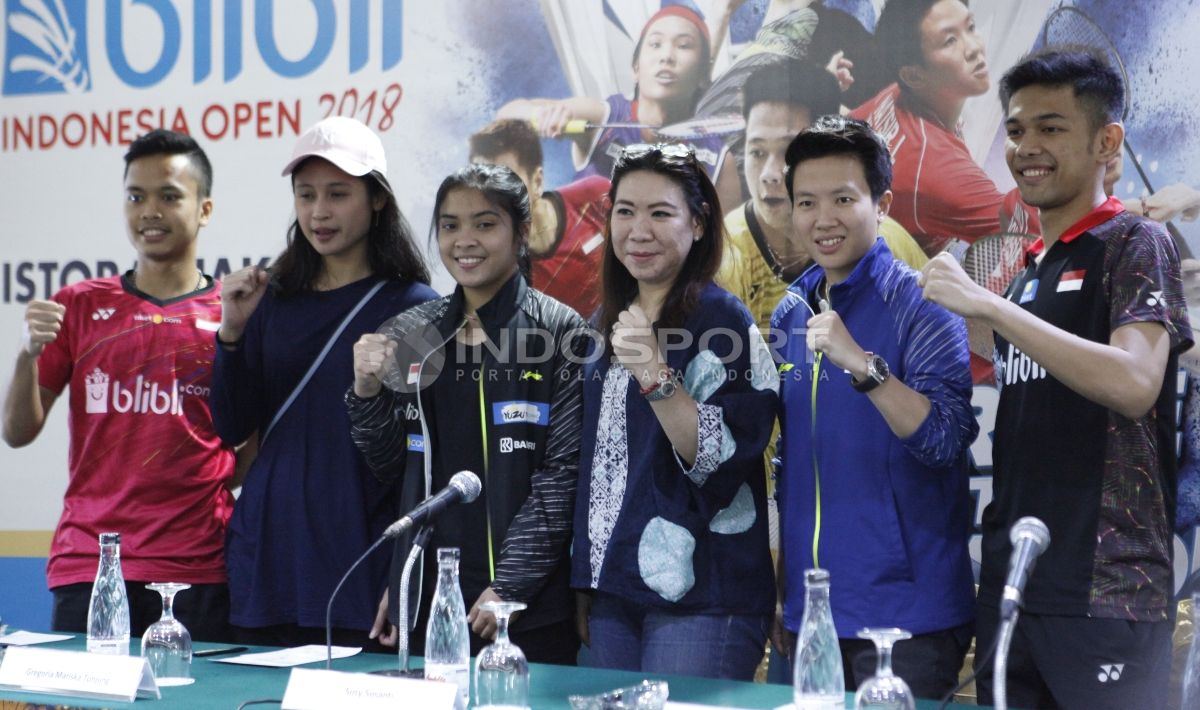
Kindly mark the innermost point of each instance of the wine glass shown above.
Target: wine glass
(167, 644)
(501, 672)
(884, 690)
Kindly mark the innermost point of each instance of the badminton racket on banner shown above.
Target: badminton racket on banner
(1071, 26)
(686, 130)
(993, 262)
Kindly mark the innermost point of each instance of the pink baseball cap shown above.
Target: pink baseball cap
(345, 142)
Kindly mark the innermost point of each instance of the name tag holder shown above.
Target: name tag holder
(77, 674)
(310, 689)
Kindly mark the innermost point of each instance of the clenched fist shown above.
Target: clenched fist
(240, 294)
(946, 284)
(827, 335)
(374, 355)
(43, 321)
(636, 346)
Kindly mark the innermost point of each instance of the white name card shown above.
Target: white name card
(77, 674)
(310, 689)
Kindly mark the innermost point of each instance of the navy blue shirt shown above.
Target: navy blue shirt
(649, 528)
(309, 506)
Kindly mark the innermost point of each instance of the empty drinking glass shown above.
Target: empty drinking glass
(167, 644)
(884, 690)
(501, 673)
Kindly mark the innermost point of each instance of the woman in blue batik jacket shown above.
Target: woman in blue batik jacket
(679, 397)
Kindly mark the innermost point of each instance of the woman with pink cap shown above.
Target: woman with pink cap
(309, 505)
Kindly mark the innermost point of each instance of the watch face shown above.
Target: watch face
(665, 389)
(878, 369)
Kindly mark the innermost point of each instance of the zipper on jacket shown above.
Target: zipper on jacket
(816, 373)
(483, 428)
(826, 304)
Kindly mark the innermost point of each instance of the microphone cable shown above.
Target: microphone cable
(982, 663)
(329, 606)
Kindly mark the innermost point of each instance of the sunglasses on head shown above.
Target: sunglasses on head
(671, 152)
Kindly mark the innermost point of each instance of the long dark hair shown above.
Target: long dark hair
(503, 189)
(391, 249)
(679, 165)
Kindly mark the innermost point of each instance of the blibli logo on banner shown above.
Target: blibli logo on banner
(46, 49)
(521, 413)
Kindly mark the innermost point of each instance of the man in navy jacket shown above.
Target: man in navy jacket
(876, 422)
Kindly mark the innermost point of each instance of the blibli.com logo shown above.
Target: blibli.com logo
(104, 395)
(46, 49)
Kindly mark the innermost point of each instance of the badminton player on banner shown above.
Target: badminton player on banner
(1087, 340)
(941, 61)
(566, 235)
(671, 65)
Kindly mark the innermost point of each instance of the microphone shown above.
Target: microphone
(464, 487)
(1029, 537)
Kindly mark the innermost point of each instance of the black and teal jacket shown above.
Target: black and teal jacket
(530, 391)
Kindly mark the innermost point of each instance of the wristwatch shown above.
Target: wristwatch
(877, 373)
(663, 388)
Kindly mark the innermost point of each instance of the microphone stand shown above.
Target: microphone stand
(402, 623)
(1009, 611)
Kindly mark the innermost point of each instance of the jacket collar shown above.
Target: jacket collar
(865, 274)
(494, 315)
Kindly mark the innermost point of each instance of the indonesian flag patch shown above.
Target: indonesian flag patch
(1071, 280)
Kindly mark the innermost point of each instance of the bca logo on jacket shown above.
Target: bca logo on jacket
(521, 413)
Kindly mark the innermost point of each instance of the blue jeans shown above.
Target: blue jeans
(626, 636)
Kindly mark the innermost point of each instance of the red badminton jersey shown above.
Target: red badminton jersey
(940, 193)
(144, 459)
(1017, 216)
(570, 270)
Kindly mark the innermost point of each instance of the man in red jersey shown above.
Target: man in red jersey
(940, 59)
(137, 352)
(567, 234)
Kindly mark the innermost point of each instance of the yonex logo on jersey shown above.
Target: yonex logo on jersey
(1110, 672)
(1155, 298)
(1019, 367)
(103, 313)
